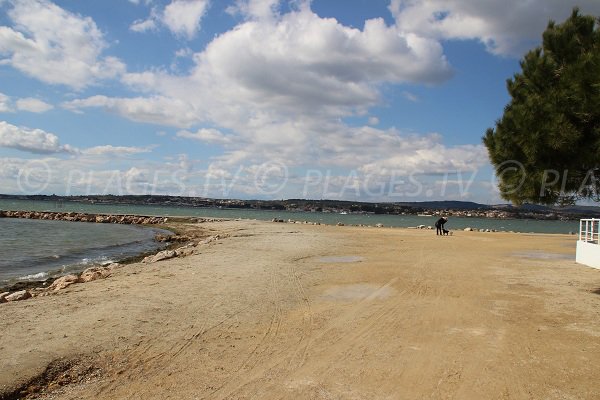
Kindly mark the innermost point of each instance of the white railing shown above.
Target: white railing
(589, 230)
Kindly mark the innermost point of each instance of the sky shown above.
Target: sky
(367, 100)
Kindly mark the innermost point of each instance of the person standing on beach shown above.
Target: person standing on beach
(439, 225)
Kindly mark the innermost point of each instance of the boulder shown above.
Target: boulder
(468, 229)
(63, 282)
(340, 224)
(113, 266)
(379, 225)
(16, 296)
(94, 273)
(3, 297)
(160, 256)
(184, 251)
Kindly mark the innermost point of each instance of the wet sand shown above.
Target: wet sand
(315, 312)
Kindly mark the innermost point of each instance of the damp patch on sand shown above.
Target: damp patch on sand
(357, 291)
(543, 255)
(340, 259)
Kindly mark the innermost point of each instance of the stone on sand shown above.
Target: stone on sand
(94, 273)
(20, 295)
(160, 256)
(63, 282)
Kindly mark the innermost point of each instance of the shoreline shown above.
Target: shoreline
(159, 223)
(163, 234)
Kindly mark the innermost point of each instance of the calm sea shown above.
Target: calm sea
(34, 248)
(38, 249)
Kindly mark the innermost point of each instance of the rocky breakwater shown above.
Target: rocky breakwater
(85, 217)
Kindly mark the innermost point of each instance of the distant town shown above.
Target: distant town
(433, 208)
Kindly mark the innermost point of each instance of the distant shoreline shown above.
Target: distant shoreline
(448, 207)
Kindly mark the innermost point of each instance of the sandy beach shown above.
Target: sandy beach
(289, 311)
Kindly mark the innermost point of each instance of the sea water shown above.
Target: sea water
(515, 225)
(39, 249)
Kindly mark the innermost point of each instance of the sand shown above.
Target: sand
(282, 311)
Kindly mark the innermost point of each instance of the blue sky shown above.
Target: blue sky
(361, 99)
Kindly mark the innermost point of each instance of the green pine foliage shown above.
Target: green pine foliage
(546, 146)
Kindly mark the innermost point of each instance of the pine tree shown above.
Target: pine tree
(546, 146)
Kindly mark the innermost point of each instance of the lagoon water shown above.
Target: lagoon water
(38, 249)
(516, 225)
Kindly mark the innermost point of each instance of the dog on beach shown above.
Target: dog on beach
(446, 232)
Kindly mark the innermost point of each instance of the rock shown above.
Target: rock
(94, 273)
(35, 292)
(63, 282)
(162, 238)
(160, 256)
(430, 227)
(113, 266)
(17, 296)
(421, 227)
(468, 229)
(379, 225)
(3, 297)
(184, 251)
(340, 224)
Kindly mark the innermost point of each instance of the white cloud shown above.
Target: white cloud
(276, 69)
(5, 105)
(109, 150)
(210, 135)
(156, 109)
(257, 9)
(373, 121)
(279, 86)
(505, 27)
(31, 140)
(55, 46)
(143, 25)
(183, 17)
(33, 105)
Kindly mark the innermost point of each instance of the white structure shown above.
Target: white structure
(588, 245)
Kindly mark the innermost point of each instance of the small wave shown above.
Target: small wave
(34, 277)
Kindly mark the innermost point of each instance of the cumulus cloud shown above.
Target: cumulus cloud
(33, 105)
(31, 140)
(505, 27)
(206, 135)
(5, 105)
(279, 83)
(273, 69)
(182, 17)
(144, 25)
(55, 46)
(156, 109)
(109, 150)
(257, 9)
